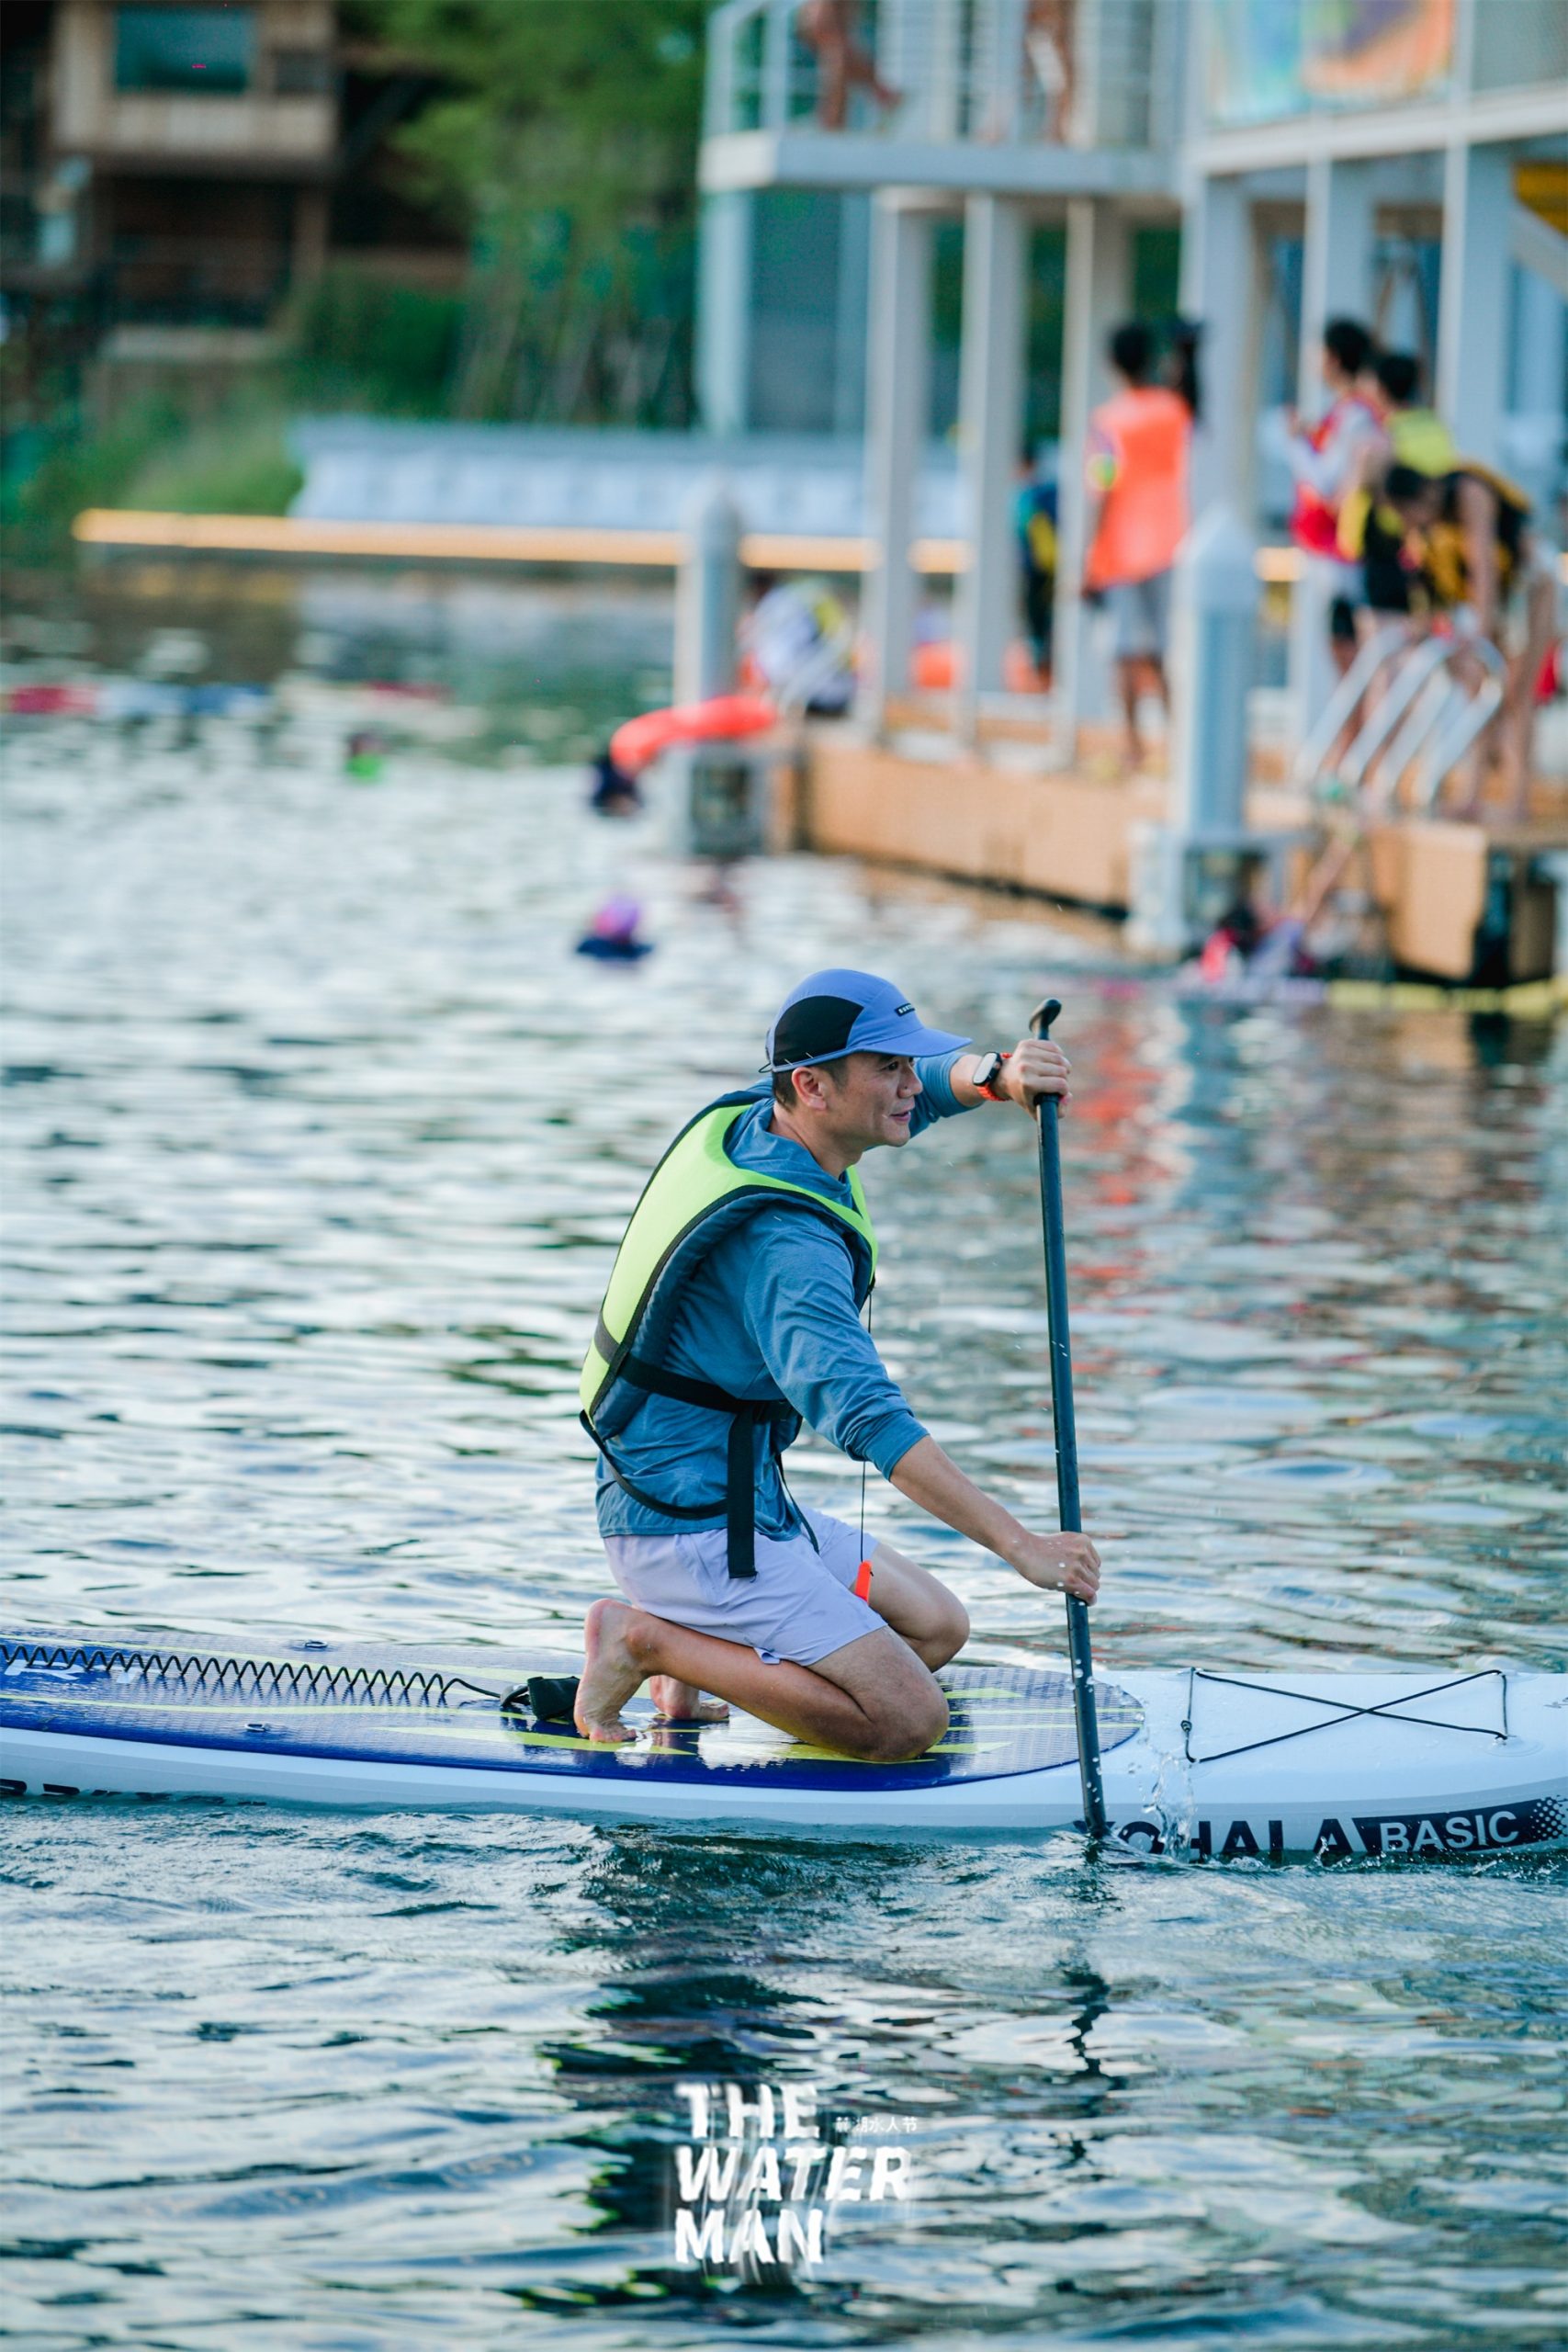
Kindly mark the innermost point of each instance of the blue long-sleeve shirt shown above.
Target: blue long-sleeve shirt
(769, 1314)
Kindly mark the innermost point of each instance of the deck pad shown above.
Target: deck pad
(384, 1704)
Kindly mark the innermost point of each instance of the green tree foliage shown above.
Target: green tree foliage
(359, 342)
(237, 462)
(565, 138)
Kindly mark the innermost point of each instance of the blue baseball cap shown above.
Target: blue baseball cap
(839, 1013)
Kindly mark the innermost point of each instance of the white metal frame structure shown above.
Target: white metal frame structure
(971, 134)
(1423, 723)
(1451, 155)
(1143, 140)
(973, 113)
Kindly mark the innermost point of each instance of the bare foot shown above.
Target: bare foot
(610, 1675)
(682, 1703)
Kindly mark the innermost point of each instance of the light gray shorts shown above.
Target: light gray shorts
(1140, 610)
(798, 1606)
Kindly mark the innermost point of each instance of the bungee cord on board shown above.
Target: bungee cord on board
(256, 1677)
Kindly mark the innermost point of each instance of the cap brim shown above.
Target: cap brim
(903, 1039)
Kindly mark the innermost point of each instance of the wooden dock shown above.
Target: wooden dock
(992, 814)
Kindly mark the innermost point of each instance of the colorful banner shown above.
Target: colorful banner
(1270, 58)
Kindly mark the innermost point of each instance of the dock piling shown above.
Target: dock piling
(707, 595)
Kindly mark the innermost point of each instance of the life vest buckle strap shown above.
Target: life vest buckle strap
(740, 1498)
(738, 1502)
(683, 1390)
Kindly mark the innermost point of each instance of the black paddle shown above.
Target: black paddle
(1071, 1516)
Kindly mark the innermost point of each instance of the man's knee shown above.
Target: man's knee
(954, 1626)
(943, 1630)
(933, 1620)
(903, 1729)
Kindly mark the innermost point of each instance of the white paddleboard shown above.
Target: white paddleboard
(1419, 1761)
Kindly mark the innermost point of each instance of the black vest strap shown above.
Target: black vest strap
(685, 1391)
(745, 1414)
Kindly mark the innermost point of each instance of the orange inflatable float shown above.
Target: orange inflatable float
(721, 717)
(933, 670)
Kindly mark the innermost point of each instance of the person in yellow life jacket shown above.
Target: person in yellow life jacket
(733, 1315)
(1368, 532)
(1137, 516)
(1468, 533)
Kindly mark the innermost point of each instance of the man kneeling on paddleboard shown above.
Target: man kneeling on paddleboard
(732, 1317)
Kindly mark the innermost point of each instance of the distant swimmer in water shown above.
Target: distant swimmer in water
(614, 793)
(733, 1317)
(612, 936)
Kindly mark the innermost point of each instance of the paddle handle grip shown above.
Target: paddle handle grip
(1069, 1508)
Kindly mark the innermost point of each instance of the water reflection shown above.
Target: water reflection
(904, 2064)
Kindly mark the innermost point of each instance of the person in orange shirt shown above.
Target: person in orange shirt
(1137, 517)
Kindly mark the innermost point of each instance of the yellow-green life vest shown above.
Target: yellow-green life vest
(695, 1196)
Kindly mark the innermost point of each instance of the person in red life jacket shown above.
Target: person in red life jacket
(1137, 518)
(1326, 461)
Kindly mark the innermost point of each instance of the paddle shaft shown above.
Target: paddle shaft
(1079, 1649)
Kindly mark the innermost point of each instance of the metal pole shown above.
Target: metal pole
(897, 397)
(707, 595)
(990, 400)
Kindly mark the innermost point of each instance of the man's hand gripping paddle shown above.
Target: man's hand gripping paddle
(1071, 1516)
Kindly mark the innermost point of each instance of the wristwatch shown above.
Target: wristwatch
(985, 1075)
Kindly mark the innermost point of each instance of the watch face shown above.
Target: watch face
(988, 1072)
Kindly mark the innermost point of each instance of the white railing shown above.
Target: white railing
(1420, 716)
(1075, 73)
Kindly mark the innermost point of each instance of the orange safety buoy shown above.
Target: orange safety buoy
(934, 670)
(720, 718)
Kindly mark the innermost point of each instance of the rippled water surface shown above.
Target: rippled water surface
(318, 1139)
